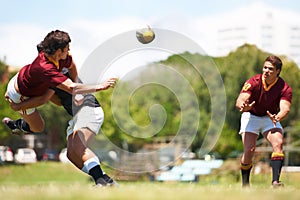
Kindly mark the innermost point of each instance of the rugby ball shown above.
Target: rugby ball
(145, 35)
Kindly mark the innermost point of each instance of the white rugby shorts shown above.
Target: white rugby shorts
(87, 117)
(17, 97)
(256, 124)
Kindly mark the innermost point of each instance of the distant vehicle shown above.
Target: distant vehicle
(63, 156)
(6, 154)
(25, 155)
(50, 154)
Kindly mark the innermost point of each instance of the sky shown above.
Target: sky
(23, 24)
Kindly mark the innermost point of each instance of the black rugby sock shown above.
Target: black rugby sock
(245, 170)
(96, 172)
(276, 164)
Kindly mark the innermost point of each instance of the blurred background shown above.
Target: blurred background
(235, 35)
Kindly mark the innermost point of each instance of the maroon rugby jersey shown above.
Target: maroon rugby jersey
(266, 99)
(34, 79)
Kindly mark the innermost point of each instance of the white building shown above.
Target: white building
(270, 29)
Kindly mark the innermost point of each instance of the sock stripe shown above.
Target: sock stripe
(246, 166)
(90, 163)
(277, 156)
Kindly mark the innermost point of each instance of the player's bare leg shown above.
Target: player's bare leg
(85, 159)
(275, 138)
(32, 123)
(249, 142)
(35, 121)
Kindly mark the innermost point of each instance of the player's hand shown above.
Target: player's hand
(78, 99)
(246, 106)
(14, 106)
(273, 117)
(111, 82)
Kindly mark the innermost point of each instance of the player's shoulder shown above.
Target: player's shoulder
(255, 79)
(39, 64)
(284, 83)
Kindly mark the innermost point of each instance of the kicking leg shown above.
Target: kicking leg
(35, 121)
(27, 124)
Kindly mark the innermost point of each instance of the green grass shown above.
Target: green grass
(50, 180)
(41, 172)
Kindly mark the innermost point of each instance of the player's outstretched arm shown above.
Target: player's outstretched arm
(243, 104)
(283, 112)
(79, 88)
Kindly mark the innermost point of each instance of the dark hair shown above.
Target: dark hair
(53, 41)
(275, 61)
(39, 47)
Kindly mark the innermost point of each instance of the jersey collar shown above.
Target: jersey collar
(267, 88)
(53, 61)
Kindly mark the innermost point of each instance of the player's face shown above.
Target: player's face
(269, 72)
(65, 51)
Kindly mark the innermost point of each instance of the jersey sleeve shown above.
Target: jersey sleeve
(54, 77)
(248, 86)
(287, 93)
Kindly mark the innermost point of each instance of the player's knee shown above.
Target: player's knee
(277, 147)
(69, 155)
(249, 149)
(37, 129)
(277, 144)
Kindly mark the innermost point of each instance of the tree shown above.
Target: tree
(136, 108)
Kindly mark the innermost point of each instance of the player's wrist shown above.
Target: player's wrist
(277, 118)
(99, 87)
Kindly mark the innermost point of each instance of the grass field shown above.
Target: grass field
(49, 180)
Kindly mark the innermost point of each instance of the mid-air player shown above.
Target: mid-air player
(88, 117)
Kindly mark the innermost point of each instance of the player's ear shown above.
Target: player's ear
(278, 72)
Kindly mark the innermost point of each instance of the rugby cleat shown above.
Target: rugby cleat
(105, 181)
(13, 126)
(277, 184)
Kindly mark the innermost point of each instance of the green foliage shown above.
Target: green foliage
(56, 122)
(290, 73)
(129, 111)
(5, 111)
(3, 68)
(228, 142)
